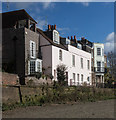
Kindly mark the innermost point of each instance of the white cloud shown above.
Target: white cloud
(110, 37)
(109, 44)
(30, 5)
(42, 24)
(85, 4)
(48, 5)
(25, 5)
(63, 30)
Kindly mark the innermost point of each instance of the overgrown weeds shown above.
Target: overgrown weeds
(60, 94)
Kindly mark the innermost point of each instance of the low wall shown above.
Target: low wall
(9, 79)
(12, 94)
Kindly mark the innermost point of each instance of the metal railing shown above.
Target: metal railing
(99, 69)
(80, 83)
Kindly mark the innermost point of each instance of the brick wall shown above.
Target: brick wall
(10, 94)
(9, 79)
(13, 47)
(30, 36)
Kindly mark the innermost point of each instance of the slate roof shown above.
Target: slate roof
(52, 43)
(13, 16)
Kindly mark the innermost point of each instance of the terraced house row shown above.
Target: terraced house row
(27, 49)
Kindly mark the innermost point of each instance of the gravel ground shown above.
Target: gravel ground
(100, 109)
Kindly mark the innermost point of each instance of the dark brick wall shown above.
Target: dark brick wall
(13, 47)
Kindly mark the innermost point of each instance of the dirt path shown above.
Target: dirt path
(101, 109)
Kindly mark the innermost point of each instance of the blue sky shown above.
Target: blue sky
(92, 20)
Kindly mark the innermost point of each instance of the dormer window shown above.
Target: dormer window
(55, 36)
(67, 41)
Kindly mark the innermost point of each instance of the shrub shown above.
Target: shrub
(61, 73)
(38, 75)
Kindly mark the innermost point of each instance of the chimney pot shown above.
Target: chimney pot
(75, 37)
(68, 37)
(49, 27)
(55, 26)
(83, 38)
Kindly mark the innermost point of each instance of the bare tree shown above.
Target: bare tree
(112, 64)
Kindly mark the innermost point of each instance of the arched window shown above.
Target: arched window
(60, 55)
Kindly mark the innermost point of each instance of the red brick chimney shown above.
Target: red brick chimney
(55, 27)
(74, 37)
(49, 27)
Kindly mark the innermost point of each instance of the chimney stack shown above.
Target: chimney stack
(55, 27)
(83, 38)
(71, 37)
(52, 27)
(68, 37)
(49, 27)
(74, 37)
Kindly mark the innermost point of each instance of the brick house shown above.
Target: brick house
(20, 47)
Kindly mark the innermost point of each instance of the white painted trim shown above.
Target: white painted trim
(34, 49)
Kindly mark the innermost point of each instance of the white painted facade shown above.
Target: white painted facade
(67, 60)
(99, 58)
(99, 62)
(50, 58)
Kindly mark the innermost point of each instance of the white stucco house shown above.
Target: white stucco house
(55, 53)
(99, 62)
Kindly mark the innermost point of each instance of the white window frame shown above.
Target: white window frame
(32, 55)
(60, 55)
(73, 60)
(99, 51)
(30, 72)
(82, 78)
(82, 63)
(36, 66)
(88, 64)
(99, 66)
(78, 78)
(88, 79)
(102, 52)
(74, 78)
